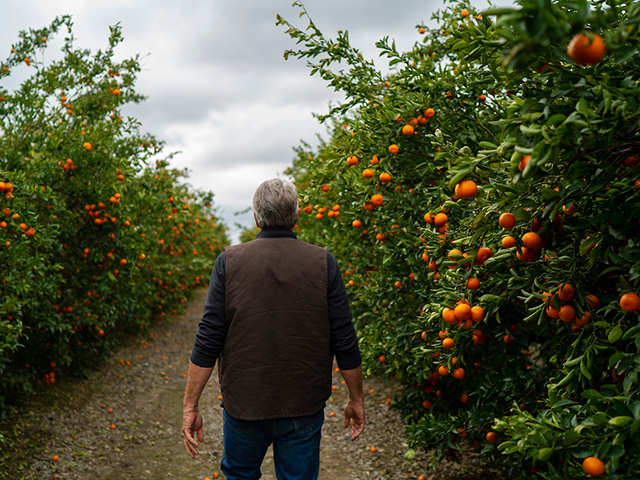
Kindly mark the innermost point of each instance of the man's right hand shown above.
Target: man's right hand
(354, 411)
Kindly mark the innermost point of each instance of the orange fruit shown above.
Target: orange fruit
(324, 188)
(448, 343)
(593, 466)
(458, 373)
(567, 313)
(473, 283)
(443, 371)
(357, 224)
(631, 161)
(377, 200)
(466, 189)
(449, 315)
(428, 218)
(553, 313)
(373, 449)
(571, 210)
(55, 458)
(393, 149)
(582, 321)
(630, 302)
(407, 130)
(532, 241)
(527, 254)
(523, 162)
(462, 311)
(477, 313)
(492, 437)
(381, 359)
(507, 220)
(593, 301)
(482, 98)
(464, 13)
(429, 113)
(367, 173)
(385, 177)
(584, 51)
(352, 160)
(464, 398)
(87, 146)
(426, 404)
(440, 219)
(566, 292)
(375, 160)
(421, 30)
(482, 256)
(508, 242)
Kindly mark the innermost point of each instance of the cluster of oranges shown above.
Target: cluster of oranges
(331, 212)
(28, 231)
(567, 312)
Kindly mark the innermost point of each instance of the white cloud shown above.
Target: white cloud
(218, 87)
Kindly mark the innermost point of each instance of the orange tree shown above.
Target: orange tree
(482, 198)
(95, 237)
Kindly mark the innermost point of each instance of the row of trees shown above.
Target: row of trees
(483, 201)
(97, 233)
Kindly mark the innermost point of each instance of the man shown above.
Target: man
(275, 316)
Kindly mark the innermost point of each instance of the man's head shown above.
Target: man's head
(275, 204)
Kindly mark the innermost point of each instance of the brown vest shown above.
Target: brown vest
(276, 361)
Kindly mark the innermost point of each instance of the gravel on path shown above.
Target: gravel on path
(124, 422)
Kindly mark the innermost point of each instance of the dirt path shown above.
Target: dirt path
(142, 386)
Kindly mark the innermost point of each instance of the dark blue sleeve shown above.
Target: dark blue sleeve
(344, 343)
(212, 328)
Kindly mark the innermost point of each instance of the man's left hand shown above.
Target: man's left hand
(192, 425)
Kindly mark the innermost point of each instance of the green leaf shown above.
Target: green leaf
(624, 53)
(588, 243)
(544, 454)
(621, 421)
(591, 395)
(614, 334)
(556, 119)
(631, 333)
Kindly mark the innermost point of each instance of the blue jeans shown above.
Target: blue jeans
(296, 447)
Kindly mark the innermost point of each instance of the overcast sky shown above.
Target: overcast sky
(218, 87)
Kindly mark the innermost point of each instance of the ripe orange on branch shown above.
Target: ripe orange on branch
(630, 302)
(593, 466)
(532, 241)
(440, 219)
(407, 130)
(377, 200)
(466, 189)
(507, 220)
(586, 51)
(523, 162)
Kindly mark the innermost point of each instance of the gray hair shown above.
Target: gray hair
(275, 204)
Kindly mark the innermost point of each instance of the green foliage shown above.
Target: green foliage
(95, 236)
(501, 87)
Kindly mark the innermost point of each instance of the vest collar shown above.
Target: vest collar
(275, 232)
